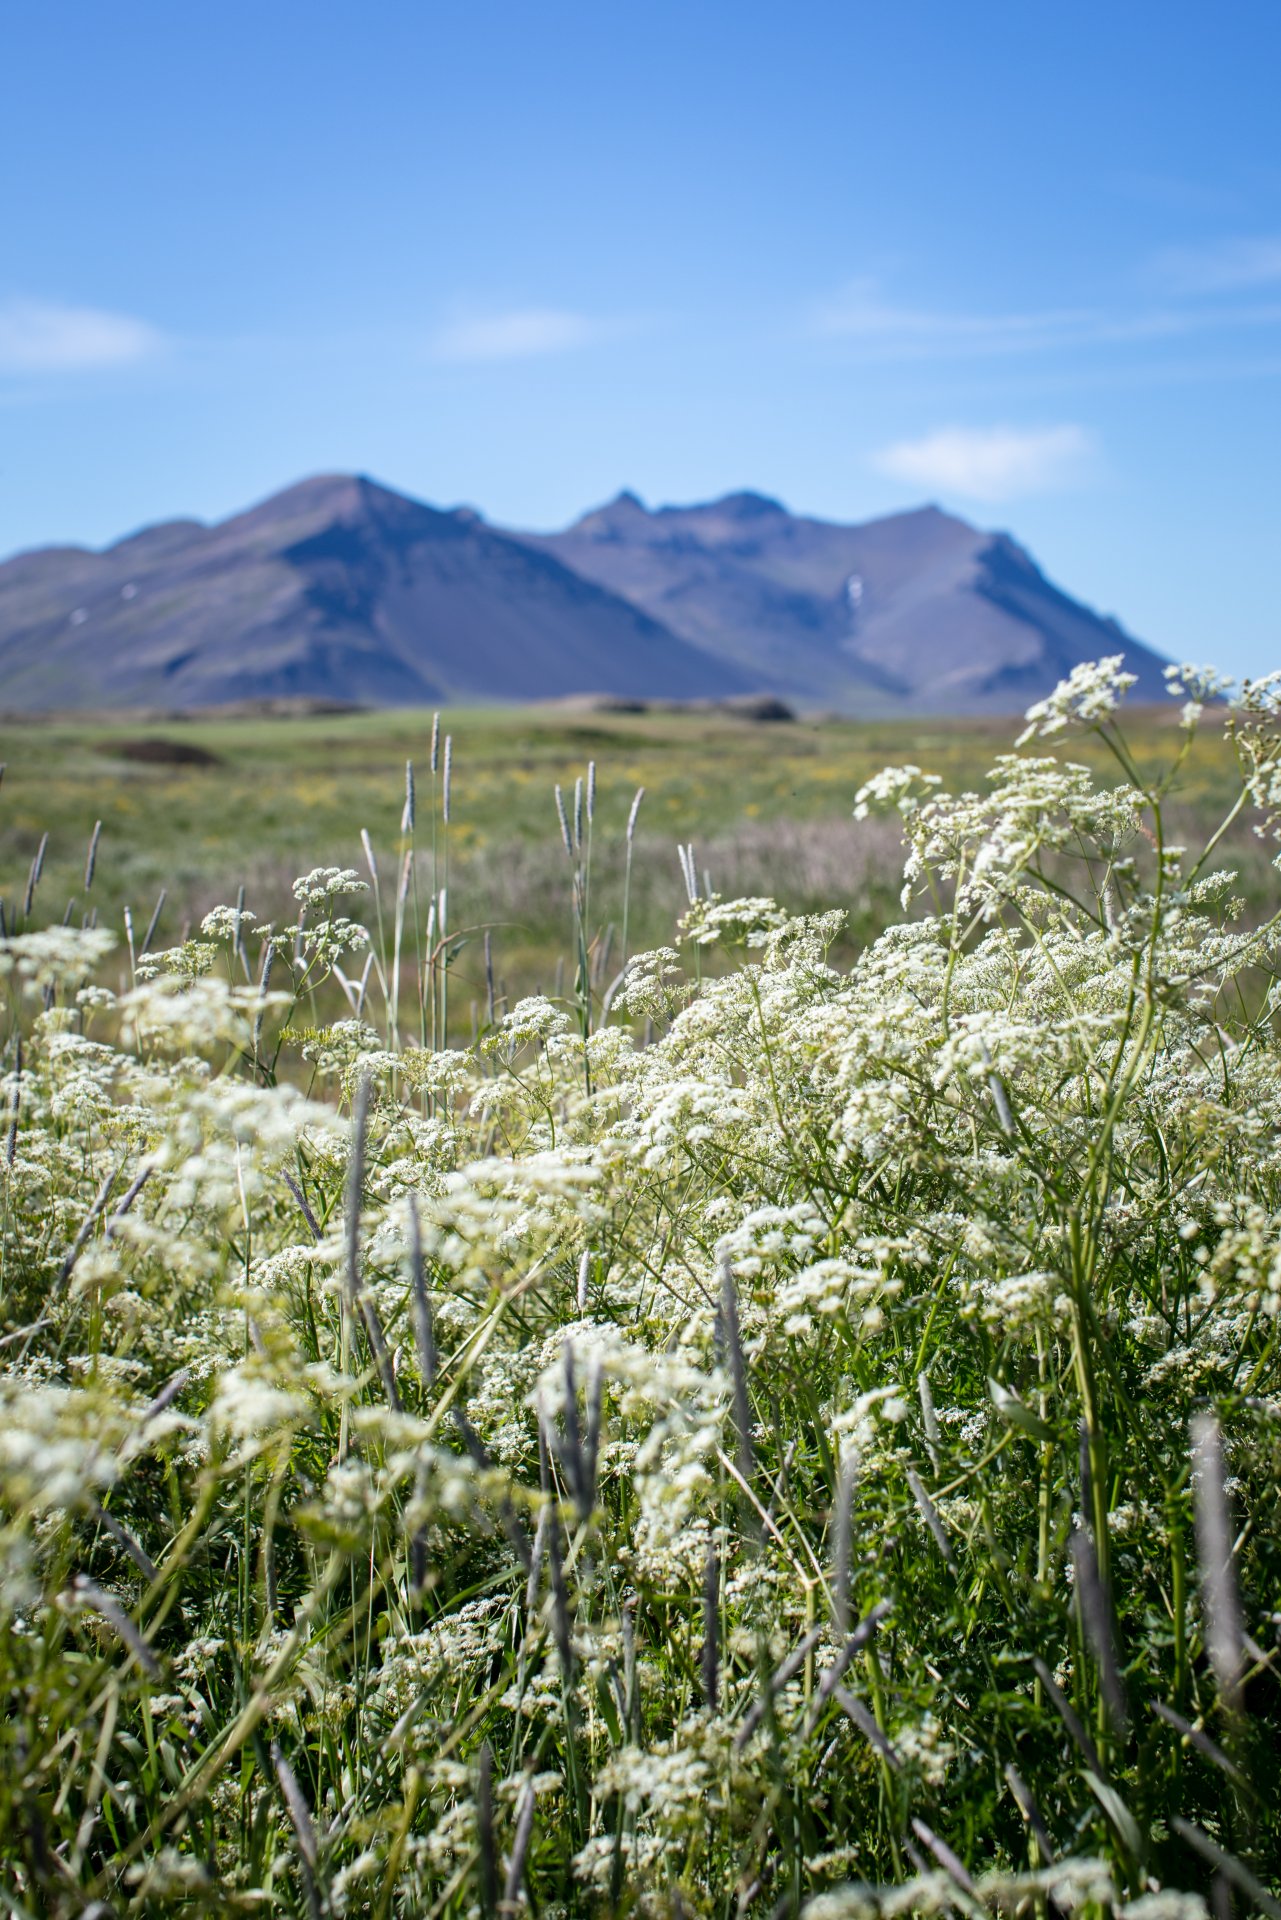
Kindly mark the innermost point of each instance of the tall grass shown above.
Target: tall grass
(742, 1438)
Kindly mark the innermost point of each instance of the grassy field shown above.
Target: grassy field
(800, 1443)
(766, 806)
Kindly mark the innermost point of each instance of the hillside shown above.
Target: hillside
(915, 612)
(341, 589)
(334, 588)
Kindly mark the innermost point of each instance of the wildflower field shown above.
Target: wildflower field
(785, 1420)
(767, 808)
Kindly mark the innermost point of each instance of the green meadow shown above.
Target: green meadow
(789, 1429)
(766, 806)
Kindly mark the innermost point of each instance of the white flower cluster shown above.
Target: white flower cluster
(642, 1469)
(325, 884)
(1092, 692)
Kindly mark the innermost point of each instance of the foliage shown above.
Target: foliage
(766, 807)
(804, 1436)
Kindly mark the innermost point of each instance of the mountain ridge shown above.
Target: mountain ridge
(916, 611)
(335, 586)
(339, 587)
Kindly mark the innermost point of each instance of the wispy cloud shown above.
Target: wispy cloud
(860, 312)
(879, 328)
(526, 333)
(990, 463)
(41, 336)
(1238, 265)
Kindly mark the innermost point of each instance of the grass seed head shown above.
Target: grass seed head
(91, 860)
(1220, 1606)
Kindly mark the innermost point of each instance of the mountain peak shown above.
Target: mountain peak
(317, 490)
(345, 499)
(336, 587)
(339, 587)
(624, 515)
(746, 505)
(917, 611)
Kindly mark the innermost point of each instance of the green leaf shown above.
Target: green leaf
(1119, 1817)
(1014, 1413)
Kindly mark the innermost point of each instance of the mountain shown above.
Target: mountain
(917, 612)
(341, 589)
(336, 588)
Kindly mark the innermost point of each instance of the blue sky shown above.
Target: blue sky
(1022, 260)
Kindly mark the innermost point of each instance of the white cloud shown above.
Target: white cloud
(860, 312)
(879, 329)
(525, 334)
(990, 463)
(1225, 266)
(38, 336)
